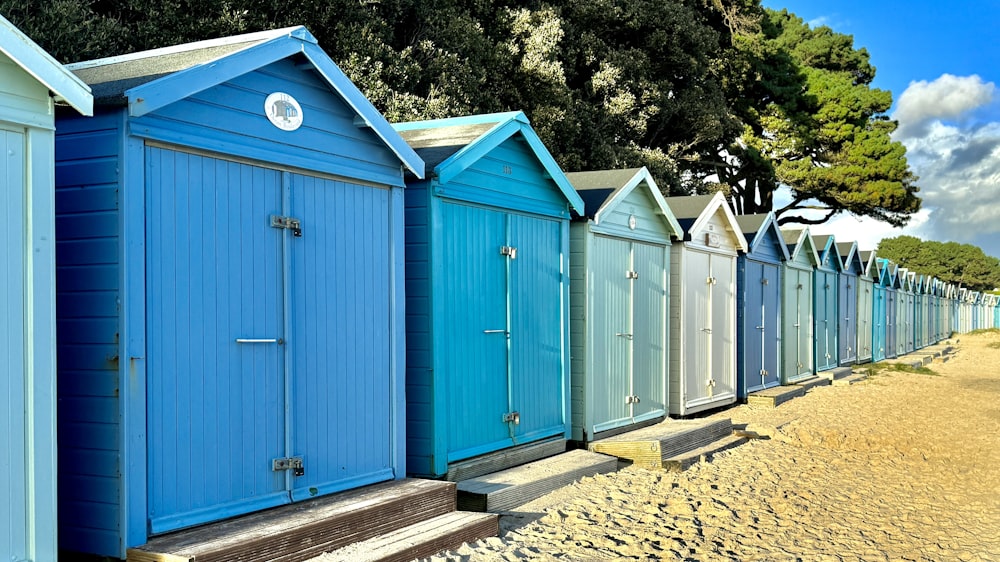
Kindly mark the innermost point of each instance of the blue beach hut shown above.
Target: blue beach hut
(619, 300)
(849, 302)
(826, 287)
(891, 309)
(230, 276)
(797, 307)
(758, 304)
(703, 304)
(920, 316)
(880, 308)
(32, 84)
(487, 287)
(907, 310)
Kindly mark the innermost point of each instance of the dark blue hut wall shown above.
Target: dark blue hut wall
(229, 119)
(508, 177)
(88, 289)
(419, 387)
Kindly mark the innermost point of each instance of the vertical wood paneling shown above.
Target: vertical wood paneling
(538, 377)
(771, 334)
(798, 327)
(213, 275)
(825, 319)
(761, 325)
(649, 343)
(339, 337)
(723, 324)
(695, 363)
(611, 319)
(890, 324)
(472, 364)
(864, 316)
(582, 330)
(15, 369)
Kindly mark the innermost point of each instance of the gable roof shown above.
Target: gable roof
(603, 190)
(25, 53)
(755, 228)
(449, 146)
(693, 211)
(800, 241)
(868, 258)
(149, 80)
(851, 258)
(826, 246)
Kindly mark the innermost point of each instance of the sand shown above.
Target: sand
(901, 467)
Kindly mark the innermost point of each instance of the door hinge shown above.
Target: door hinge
(289, 223)
(711, 281)
(631, 275)
(289, 463)
(509, 251)
(512, 417)
(633, 399)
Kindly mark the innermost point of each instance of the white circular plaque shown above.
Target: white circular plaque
(631, 222)
(283, 111)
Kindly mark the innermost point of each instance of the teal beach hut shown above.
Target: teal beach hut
(797, 307)
(32, 84)
(825, 315)
(849, 302)
(619, 301)
(487, 291)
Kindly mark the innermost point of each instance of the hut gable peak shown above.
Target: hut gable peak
(695, 213)
(760, 229)
(801, 246)
(452, 145)
(149, 80)
(604, 191)
(826, 247)
(25, 53)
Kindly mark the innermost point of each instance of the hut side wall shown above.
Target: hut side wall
(580, 328)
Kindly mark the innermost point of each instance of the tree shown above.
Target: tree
(811, 122)
(963, 264)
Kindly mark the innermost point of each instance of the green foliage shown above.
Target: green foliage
(963, 264)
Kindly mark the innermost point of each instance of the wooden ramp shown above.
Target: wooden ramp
(507, 489)
(670, 443)
(417, 515)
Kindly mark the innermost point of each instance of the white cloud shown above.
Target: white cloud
(947, 98)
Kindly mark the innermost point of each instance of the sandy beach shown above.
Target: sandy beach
(903, 466)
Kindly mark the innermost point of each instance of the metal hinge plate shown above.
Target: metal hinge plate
(509, 251)
(289, 223)
(512, 417)
(631, 275)
(289, 463)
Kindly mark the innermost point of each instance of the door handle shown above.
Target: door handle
(626, 336)
(278, 341)
(494, 331)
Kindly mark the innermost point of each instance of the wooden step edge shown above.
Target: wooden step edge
(853, 379)
(444, 532)
(303, 530)
(704, 454)
(505, 458)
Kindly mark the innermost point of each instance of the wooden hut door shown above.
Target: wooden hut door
(848, 307)
(13, 474)
(826, 320)
(878, 323)
(763, 305)
(612, 321)
(799, 312)
(864, 320)
(649, 318)
(215, 339)
(697, 363)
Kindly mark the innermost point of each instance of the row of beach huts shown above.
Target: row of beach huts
(231, 284)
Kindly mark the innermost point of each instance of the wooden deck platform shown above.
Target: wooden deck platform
(444, 532)
(853, 378)
(656, 445)
(812, 382)
(835, 373)
(683, 461)
(507, 489)
(507, 458)
(303, 530)
(775, 396)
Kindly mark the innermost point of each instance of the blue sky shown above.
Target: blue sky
(941, 61)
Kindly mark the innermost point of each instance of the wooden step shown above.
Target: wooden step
(853, 378)
(507, 458)
(650, 447)
(812, 382)
(835, 373)
(682, 462)
(444, 532)
(300, 531)
(507, 489)
(775, 396)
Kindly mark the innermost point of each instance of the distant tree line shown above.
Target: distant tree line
(708, 94)
(962, 264)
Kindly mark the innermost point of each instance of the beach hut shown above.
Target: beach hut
(487, 249)
(619, 275)
(758, 304)
(825, 314)
(702, 363)
(230, 281)
(866, 304)
(32, 84)
(891, 310)
(798, 360)
(848, 302)
(880, 309)
(908, 311)
(919, 311)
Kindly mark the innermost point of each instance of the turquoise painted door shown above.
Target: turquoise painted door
(215, 336)
(473, 329)
(611, 322)
(536, 300)
(649, 332)
(13, 477)
(878, 323)
(825, 316)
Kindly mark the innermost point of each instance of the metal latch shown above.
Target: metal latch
(509, 251)
(512, 417)
(632, 399)
(711, 281)
(289, 463)
(295, 225)
(631, 275)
